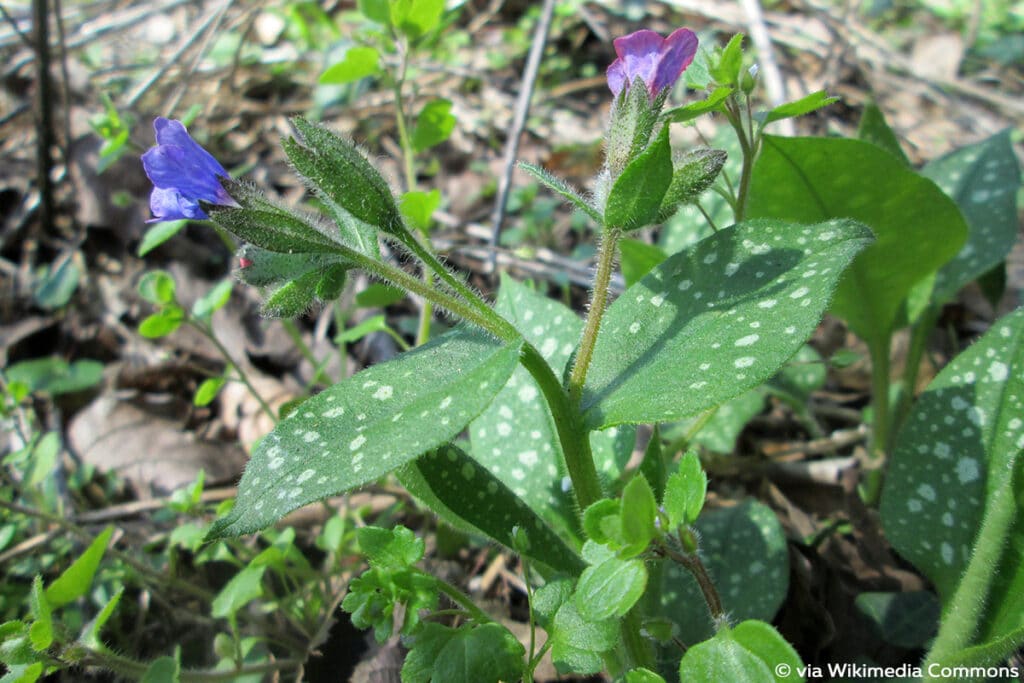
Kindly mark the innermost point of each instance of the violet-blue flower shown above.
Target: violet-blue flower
(657, 61)
(183, 173)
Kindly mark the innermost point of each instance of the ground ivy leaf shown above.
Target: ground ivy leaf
(715, 319)
(610, 589)
(474, 495)
(963, 439)
(577, 642)
(368, 425)
(744, 549)
(764, 642)
(983, 180)
(723, 659)
(482, 654)
(917, 227)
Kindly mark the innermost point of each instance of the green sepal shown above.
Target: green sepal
(259, 221)
(694, 172)
(630, 126)
(341, 174)
(636, 196)
(293, 298)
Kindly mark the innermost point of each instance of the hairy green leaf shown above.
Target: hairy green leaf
(715, 320)
(368, 425)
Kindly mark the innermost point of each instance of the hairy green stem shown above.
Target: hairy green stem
(915, 354)
(639, 653)
(961, 619)
(463, 600)
(696, 568)
(134, 670)
(598, 303)
(489, 320)
(880, 384)
(293, 333)
(747, 148)
(208, 333)
(575, 442)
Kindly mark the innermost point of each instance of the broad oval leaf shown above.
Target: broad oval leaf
(744, 548)
(983, 180)
(368, 425)
(962, 441)
(610, 589)
(715, 320)
(918, 228)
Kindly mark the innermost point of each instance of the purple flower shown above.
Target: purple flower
(183, 173)
(657, 61)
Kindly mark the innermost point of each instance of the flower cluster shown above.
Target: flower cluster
(182, 173)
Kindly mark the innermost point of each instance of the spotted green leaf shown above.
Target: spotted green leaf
(715, 320)
(477, 497)
(515, 438)
(744, 549)
(918, 228)
(951, 499)
(368, 425)
(983, 180)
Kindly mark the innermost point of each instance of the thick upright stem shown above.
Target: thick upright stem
(579, 461)
(747, 150)
(960, 620)
(598, 302)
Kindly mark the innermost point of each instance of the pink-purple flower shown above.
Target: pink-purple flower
(657, 61)
(183, 174)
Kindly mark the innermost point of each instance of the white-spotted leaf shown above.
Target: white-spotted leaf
(744, 549)
(983, 180)
(962, 442)
(368, 425)
(715, 320)
(478, 498)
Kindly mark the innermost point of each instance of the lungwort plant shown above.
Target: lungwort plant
(624, 566)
